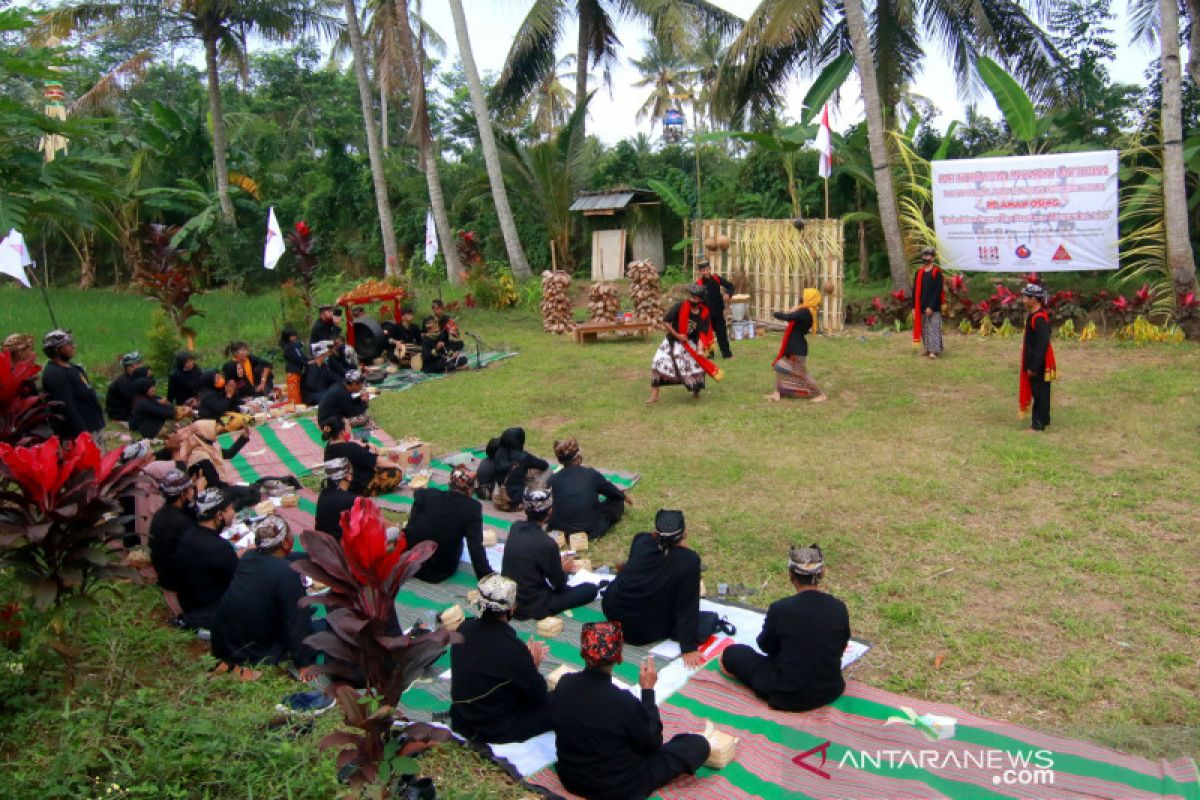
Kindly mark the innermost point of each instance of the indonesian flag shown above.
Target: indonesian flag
(431, 242)
(275, 246)
(825, 145)
(14, 257)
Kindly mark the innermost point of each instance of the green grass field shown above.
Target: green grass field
(1043, 579)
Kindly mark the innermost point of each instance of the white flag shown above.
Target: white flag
(825, 145)
(275, 245)
(14, 257)
(431, 242)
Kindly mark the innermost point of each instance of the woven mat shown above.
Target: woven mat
(291, 446)
(406, 378)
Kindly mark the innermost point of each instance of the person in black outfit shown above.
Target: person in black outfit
(254, 382)
(485, 473)
(368, 465)
(512, 468)
(68, 384)
(345, 400)
(218, 397)
(531, 559)
(342, 358)
(803, 638)
(715, 287)
(169, 523)
(928, 298)
(440, 352)
(791, 364)
(335, 497)
(656, 595)
(687, 322)
(497, 694)
(448, 518)
(150, 412)
(118, 402)
(185, 381)
(404, 337)
(203, 563)
(577, 492)
(318, 377)
(610, 745)
(258, 619)
(1038, 367)
(295, 359)
(325, 329)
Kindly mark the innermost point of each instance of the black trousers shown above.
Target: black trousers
(1041, 403)
(683, 754)
(572, 597)
(611, 511)
(718, 326)
(753, 669)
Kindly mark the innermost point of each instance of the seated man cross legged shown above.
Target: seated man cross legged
(803, 637)
(496, 692)
(609, 743)
(577, 492)
(531, 559)
(448, 518)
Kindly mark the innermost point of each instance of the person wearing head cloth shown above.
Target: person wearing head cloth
(512, 467)
(346, 400)
(185, 381)
(373, 474)
(170, 522)
(485, 472)
(610, 744)
(203, 563)
(404, 337)
(68, 384)
(150, 412)
(118, 401)
(531, 558)
(440, 351)
(791, 364)
(715, 289)
(325, 329)
(20, 348)
(679, 360)
(295, 359)
(258, 619)
(577, 492)
(218, 397)
(929, 295)
(318, 378)
(656, 595)
(250, 374)
(1038, 367)
(335, 497)
(802, 641)
(448, 518)
(497, 694)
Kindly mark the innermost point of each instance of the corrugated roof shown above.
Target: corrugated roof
(602, 202)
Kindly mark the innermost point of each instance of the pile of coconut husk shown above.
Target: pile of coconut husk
(556, 302)
(604, 302)
(646, 291)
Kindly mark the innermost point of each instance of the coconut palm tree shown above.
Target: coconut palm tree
(548, 106)
(783, 36)
(222, 28)
(705, 55)
(532, 54)
(487, 141)
(665, 71)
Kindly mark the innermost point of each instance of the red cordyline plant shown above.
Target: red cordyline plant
(24, 414)
(168, 280)
(304, 245)
(60, 523)
(364, 645)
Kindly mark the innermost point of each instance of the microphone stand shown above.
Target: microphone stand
(478, 353)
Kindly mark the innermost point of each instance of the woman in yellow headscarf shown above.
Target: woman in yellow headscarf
(791, 372)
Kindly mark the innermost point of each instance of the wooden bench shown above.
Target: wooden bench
(586, 332)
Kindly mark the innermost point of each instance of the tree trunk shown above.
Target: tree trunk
(382, 205)
(864, 271)
(487, 139)
(581, 64)
(1193, 64)
(219, 144)
(1179, 247)
(383, 110)
(422, 137)
(87, 260)
(889, 216)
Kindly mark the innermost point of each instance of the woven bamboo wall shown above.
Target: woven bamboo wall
(779, 261)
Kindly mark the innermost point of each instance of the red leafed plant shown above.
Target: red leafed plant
(23, 412)
(60, 523)
(364, 644)
(1064, 305)
(304, 245)
(168, 280)
(468, 249)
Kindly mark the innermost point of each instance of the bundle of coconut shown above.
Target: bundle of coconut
(646, 291)
(604, 302)
(556, 302)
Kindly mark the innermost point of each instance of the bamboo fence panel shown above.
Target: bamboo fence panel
(779, 262)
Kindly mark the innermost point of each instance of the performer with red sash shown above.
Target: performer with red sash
(929, 295)
(715, 288)
(1038, 367)
(791, 369)
(678, 360)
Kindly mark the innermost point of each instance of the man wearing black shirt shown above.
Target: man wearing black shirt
(496, 692)
(531, 559)
(1038, 366)
(203, 562)
(449, 519)
(656, 595)
(439, 351)
(259, 619)
(404, 336)
(345, 400)
(217, 397)
(150, 412)
(714, 286)
(67, 383)
(118, 402)
(335, 497)
(325, 329)
(169, 524)
(318, 377)
(803, 638)
(577, 491)
(609, 744)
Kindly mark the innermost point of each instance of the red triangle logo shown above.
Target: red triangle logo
(1061, 254)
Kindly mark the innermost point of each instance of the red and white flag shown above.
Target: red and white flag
(274, 248)
(825, 145)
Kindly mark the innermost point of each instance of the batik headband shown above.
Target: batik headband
(601, 643)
